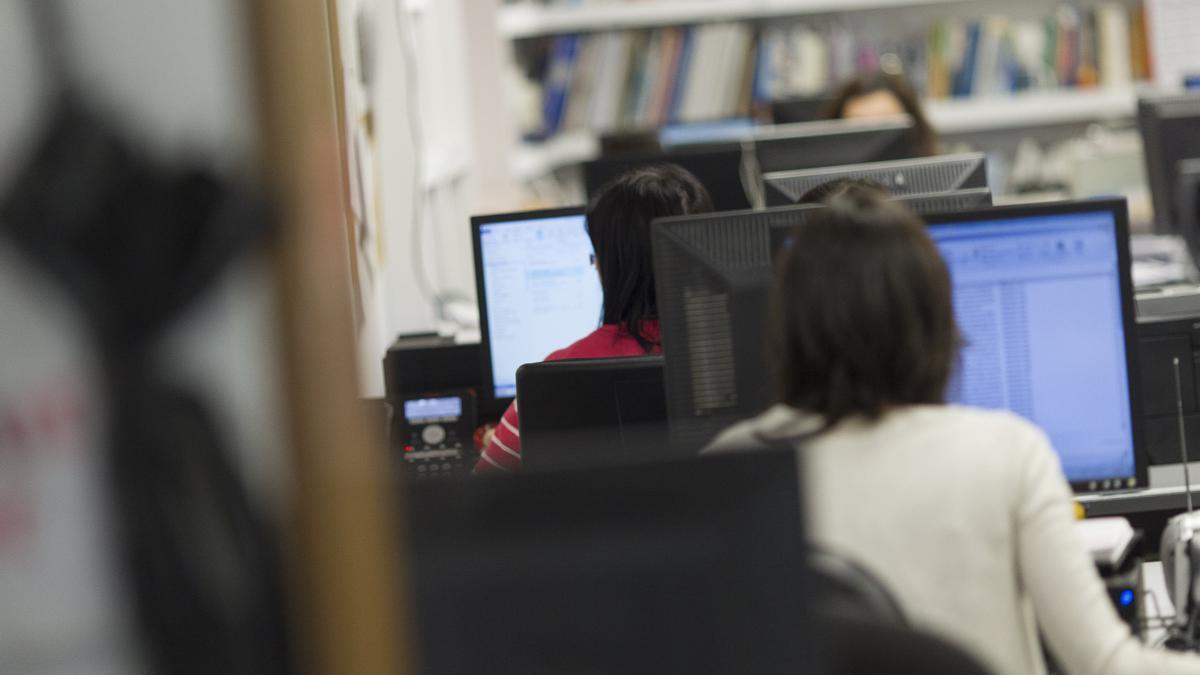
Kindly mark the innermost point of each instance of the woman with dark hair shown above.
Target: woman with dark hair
(618, 221)
(884, 93)
(823, 192)
(964, 514)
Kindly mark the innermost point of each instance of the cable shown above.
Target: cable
(415, 126)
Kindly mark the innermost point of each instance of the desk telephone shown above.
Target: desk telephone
(434, 434)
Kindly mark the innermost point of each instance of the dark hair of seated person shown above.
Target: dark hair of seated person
(924, 140)
(618, 221)
(819, 194)
(861, 319)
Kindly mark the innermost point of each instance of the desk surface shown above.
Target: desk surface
(1166, 493)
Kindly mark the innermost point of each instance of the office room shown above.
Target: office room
(600, 336)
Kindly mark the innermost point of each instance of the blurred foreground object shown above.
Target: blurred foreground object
(130, 539)
(134, 244)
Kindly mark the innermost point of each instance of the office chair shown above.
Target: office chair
(856, 646)
(864, 631)
(849, 590)
(589, 413)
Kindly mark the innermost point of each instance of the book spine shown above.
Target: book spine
(682, 69)
(557, 80)
(964, 83)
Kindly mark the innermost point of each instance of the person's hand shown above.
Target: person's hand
(483, 436)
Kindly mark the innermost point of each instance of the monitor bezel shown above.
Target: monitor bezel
(770, 179)
(1118, 209)
(488, 393)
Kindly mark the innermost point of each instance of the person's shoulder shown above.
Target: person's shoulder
(1002, 428)
(586, 347)
(777, 422)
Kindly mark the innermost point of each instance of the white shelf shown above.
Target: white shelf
(955, 116)
(527, 20)
(533, 160)
(1033, 109)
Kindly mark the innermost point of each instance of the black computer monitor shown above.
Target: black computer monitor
(810, 145)
(592, 412)
(799, 109)
(732, 170)
(943, 173)
(1043, 295)
(1170, 127)
(718, 167)
(683, 567)
(712, 275)
(537, 290)
(1044, 300)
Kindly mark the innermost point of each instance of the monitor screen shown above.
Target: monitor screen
(538, 289)
(1040, 302)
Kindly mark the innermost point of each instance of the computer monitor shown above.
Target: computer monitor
(732, 169)
(538, 290)
(592, 412)
(1043, 297)
(809, 145)
(1170, 127)
(799, 109)
(943, 173)
(1043, 294)
(682, 567)
(718, 167)
(711, 276)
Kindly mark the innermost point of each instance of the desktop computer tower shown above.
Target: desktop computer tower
(1168, 328)
(426, 362)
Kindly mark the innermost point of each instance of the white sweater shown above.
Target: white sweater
(966, 516)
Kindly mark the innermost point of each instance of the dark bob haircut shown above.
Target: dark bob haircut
(925, 140)
(619, 225)
(861, 312)
(819, 194)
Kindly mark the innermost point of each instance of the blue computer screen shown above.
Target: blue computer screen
(1038, 300)
(542, 291)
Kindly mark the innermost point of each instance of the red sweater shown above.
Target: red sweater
(503, 451)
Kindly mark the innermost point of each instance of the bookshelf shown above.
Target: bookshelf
(1031, 109)
(527, 20)
(532, 160)
(640, 64)
(948, 116)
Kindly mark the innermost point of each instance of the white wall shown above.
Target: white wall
(422, 165)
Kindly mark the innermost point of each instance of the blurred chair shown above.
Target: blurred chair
(853, 646)
(864, 631)
(592, 412)
(846, 589)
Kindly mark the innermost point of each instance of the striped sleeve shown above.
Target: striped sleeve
(503, 451)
